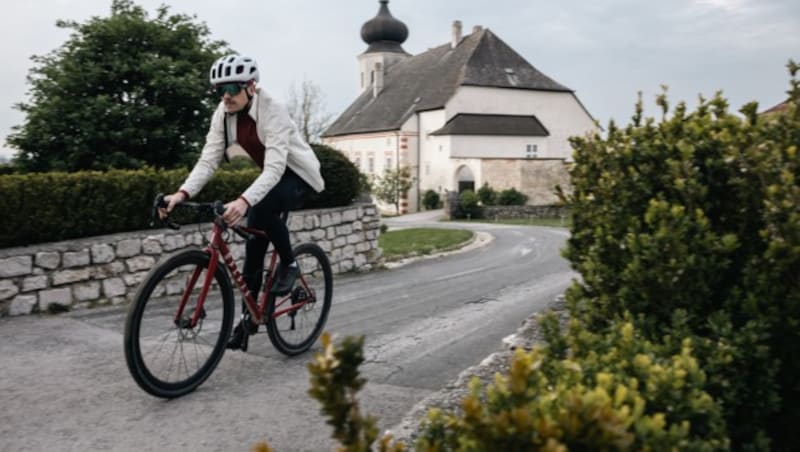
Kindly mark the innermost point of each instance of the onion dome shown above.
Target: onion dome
(384, 33)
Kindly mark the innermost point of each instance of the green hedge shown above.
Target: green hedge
(692, 224)
(47, 207)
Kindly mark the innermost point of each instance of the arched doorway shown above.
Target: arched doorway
(465, 179)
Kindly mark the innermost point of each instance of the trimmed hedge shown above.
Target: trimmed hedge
(48, 207)
(692, 224)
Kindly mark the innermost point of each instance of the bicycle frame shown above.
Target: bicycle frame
(218, 247)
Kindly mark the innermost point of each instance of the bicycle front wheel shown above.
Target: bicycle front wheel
(295, 321)
(171, 344)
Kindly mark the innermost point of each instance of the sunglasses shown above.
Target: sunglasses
(230, 89)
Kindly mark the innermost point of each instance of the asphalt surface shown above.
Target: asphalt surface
(64, 384)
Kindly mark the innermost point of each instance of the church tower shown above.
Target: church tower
(384, 35)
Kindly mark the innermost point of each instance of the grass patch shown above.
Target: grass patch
(551, 222)
(419, 241)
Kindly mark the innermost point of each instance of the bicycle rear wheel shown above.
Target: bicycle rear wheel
(167, 355)
(295, 321)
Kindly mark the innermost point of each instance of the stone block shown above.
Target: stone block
(317, 234)
(102, 253)
(336, 217)
(129, 247)
(339, 242)
(151, 245)
(70, 276)
(296, 223)
(86, 291)
(344, 229)
(134, 279)
(17, 266)
(358, 226)
(114, 287)
(359, 261)
(174, 242)
(325, 220)
(350, 215)
(326, 245)
(346, 265)
(303, 236)
(22, 305)
(348, 252)
(76, 259)
(8, 289)
(140, 263)
(34, 283)
(107, 270)
(352, 239)
(330, 233)
(58, 297)
(311, 222)
(362, 247)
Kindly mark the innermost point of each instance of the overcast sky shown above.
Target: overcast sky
(606, 51)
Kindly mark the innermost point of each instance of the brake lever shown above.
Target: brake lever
(160, 202)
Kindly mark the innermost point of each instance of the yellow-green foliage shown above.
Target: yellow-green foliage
(335, 381)
(692, 224)
(607, 392)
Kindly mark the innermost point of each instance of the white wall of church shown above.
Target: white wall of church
(498, 147)
(560, 113)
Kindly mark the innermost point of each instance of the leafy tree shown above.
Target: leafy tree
(393, 185)
(307, 108)
(124, 91)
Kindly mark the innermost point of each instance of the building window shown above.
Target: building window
(357, 163)
(388, 163)
(427, 168)
(532, 151)
(371, 165)
(388, 141)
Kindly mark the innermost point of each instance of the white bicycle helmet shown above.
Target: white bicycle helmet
(233, 68)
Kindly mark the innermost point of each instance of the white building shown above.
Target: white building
(459, 115)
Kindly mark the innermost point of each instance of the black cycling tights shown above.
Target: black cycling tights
(287, 195)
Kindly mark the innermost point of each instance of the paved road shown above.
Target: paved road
(64, 384)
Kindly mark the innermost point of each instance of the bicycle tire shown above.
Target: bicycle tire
(149, 310)
(316, 276)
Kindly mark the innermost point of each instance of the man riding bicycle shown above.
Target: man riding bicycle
(260, 126)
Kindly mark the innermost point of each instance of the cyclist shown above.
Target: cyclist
(247, 116)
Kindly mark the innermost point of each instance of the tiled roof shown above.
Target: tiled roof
(475, 124)
(428, 80)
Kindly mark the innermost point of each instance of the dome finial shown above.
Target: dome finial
(384, 32)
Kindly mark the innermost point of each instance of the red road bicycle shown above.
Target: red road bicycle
(182, 314)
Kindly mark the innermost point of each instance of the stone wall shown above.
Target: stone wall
(537, 178)
(107, 269)
(524, 212)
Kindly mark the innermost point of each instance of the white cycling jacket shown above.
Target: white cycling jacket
(282, 142)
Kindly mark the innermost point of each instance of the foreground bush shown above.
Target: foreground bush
(582, 391)
(692, 224)
(47, 207)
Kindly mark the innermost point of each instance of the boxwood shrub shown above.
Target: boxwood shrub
(47, 207)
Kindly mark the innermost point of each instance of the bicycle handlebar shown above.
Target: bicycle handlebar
(215, 208)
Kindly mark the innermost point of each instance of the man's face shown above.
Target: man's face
(238, 100)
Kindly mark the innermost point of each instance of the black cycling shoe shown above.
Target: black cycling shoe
(239, 340)
(285, 281)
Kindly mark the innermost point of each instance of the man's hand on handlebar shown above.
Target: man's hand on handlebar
(172, 201)
(235, 211)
